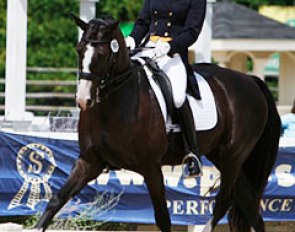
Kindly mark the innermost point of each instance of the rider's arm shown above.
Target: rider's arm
(142, 23)
(192, 27)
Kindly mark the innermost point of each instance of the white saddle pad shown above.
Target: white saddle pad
(204, 110)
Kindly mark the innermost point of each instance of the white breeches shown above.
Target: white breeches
(174, 69)
(176, 72)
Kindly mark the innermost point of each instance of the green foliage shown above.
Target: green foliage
(124, 10)
(52, 35)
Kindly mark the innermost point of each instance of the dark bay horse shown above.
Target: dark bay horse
(121, 126)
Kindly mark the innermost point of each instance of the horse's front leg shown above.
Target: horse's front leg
(154, 180)
(82, 173)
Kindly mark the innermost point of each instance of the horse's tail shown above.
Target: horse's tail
(266, 149)
(258, 166)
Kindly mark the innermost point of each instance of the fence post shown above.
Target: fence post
(16, 60)
(87, 11)
(202, 47)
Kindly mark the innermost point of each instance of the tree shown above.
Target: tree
(52, 33)
(124, 10)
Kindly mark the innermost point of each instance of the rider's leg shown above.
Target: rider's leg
(193, 86)
(176, 71)
(187, 124)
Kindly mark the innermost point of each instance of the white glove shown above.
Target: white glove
(162, 49)
(130, 42)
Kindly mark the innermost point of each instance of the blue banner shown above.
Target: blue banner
(33, 168)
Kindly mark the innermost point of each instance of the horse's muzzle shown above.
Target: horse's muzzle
(84, 103)
(83, 97)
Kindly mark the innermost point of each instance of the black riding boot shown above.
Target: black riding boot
(192, 158)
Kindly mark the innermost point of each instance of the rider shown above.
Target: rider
(173, 26)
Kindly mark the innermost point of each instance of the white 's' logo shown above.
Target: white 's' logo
(35, 163)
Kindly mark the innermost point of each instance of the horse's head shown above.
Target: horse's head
(102, 54)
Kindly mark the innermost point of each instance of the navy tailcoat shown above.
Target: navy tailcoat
(182, 20)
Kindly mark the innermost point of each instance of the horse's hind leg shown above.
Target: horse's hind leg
(248, 204)
(154, 180)
(222, 203)
(82, 173)
(223, 200)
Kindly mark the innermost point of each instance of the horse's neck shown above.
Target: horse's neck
(129, 97)
(127, 112)
(122, 60)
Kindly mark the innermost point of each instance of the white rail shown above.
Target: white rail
(47, 95)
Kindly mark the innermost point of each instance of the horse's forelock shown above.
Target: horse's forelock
(105, 21)
(98, 22)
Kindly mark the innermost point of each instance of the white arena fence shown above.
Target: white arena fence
(61, 96)
(44, 94)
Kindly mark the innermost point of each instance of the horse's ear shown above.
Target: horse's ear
(80, 23)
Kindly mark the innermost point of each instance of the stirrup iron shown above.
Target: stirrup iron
(195, 159)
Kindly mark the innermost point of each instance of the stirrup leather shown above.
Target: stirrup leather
(195, 159)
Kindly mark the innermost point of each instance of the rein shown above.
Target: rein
(115, 79)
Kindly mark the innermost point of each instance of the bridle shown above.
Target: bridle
(111, 60)
(104, 81)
